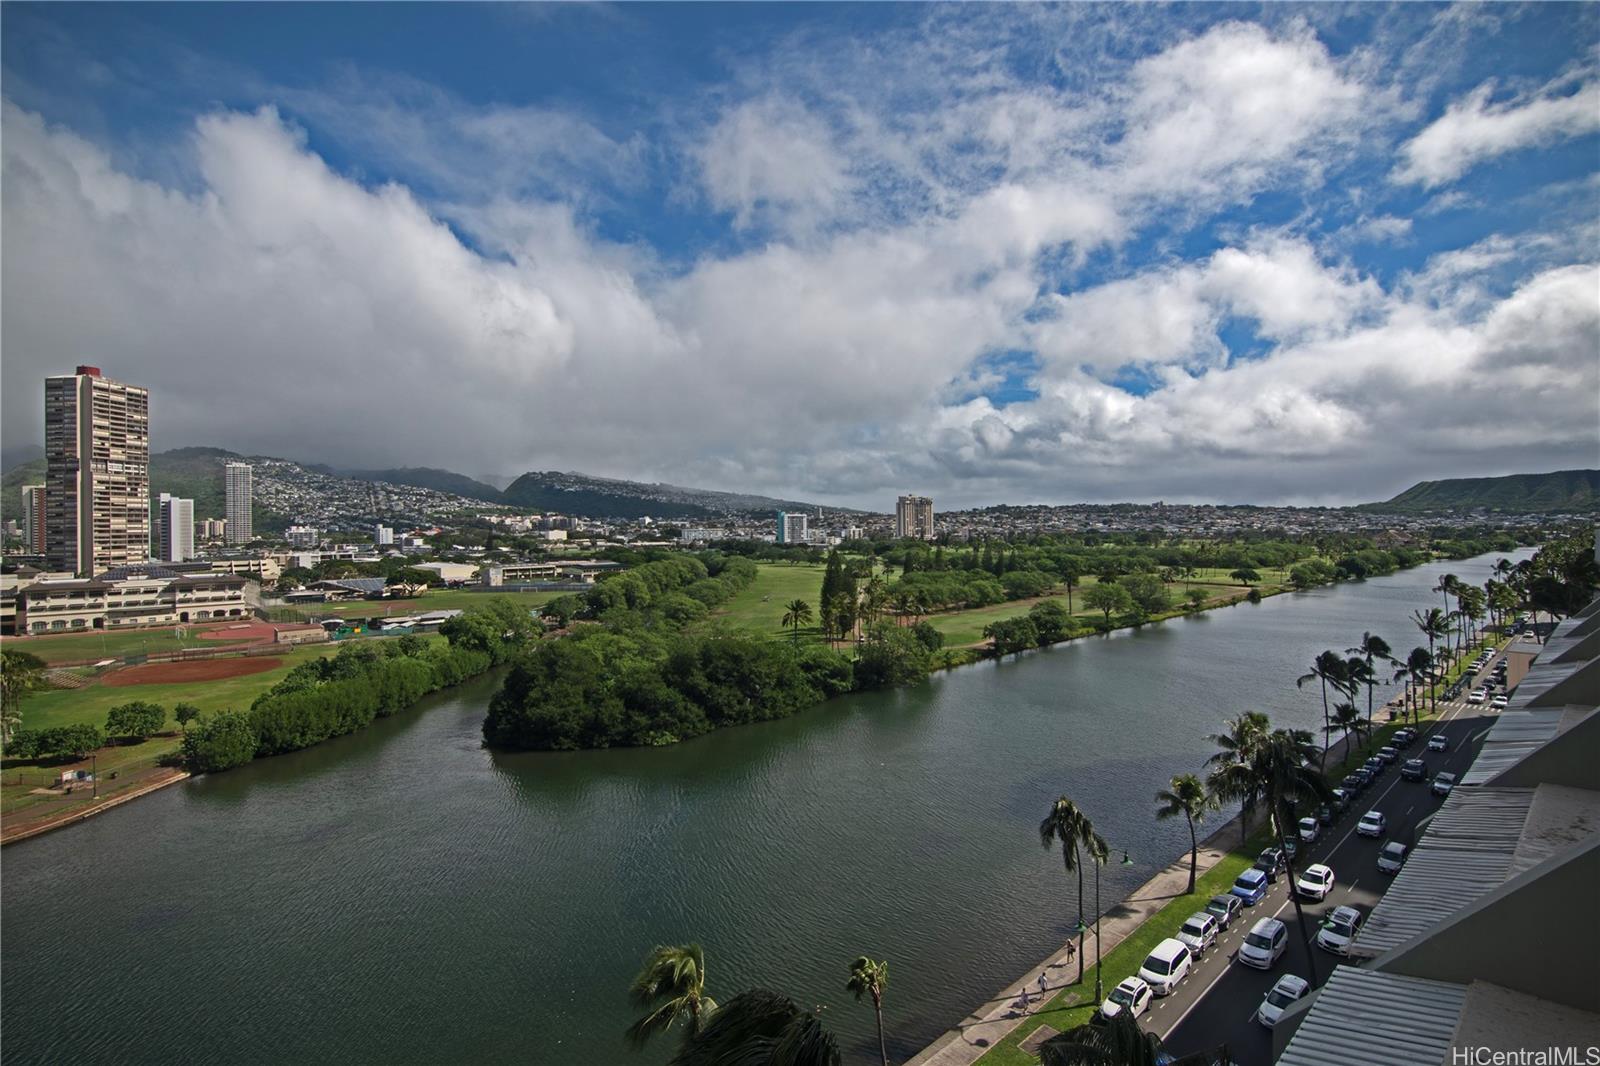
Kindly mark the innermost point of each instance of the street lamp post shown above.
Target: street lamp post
(1098, 994)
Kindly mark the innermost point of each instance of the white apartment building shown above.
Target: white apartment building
(238, 484)
(174, 529)
(913, 517)
(793, 527)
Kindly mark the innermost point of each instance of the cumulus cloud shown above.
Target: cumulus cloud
(891, 248)
(1478, 128)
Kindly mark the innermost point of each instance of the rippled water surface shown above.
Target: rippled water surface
(403, 896)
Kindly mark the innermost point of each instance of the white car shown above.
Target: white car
(1442, 784)
(1199, 932)
(1438, 742)
(1316, 882)
(1131, 995)
(1338, 929)
(1372, 824)
(1165, 966)
(1280, 998)
(1477, 696)
(1264, 944)
(1309, 830)
(1500, 702)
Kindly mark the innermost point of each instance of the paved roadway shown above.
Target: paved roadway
(1216, 1003)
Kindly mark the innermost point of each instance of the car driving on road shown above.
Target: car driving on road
(1392, 857)
(1264, 943)
(1338, 929)
(1438, 742)
(1372, 824)
(1280, 997)
(1309, 830)
(1414, 770)
(1316, 882)
(1443, 783)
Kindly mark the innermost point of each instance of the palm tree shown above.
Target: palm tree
(1447, 586)
(1329, 669)
(1284, 767)
(870, 978)
(673, 981)
(1434, 626)
(904, 602)
(796, 613)
(1418, 665)
(760, 1028)
(1072, 828)
(1118, 1042)
(1231, 778)
(1372, 650)
(874, 594)
(1347, 718)
(1070, 578)
(1186, 795)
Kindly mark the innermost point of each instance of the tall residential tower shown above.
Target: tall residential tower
(174, 529)
(913, 517)
(237, 483)
(97, 472)
(33, 518)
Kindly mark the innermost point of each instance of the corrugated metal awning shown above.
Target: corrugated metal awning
(1361, 1016)
(1466, 851)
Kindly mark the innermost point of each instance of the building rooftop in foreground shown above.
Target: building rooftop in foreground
(1501, 884)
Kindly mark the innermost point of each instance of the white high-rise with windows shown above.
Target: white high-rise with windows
(237, 483)
(33, 518)
(792, 527)
(174, 529)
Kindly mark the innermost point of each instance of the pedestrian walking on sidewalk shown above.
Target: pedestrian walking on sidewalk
(1042, 983)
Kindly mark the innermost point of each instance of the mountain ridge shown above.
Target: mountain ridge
(1558, 490)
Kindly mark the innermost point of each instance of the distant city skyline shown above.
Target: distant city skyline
(1012, 253)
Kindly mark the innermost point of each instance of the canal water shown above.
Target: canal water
(403, 896)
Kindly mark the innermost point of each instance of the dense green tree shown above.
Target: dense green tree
(1068, 825)
(1245, 576)
(21, 675)
(1108, 598)
(184, 713)
(220, 742)
(1186, 795)
(1147, 591)
(1011, 635)
(136, 720)
(892, 656)
(671, 985)
(1051, 621)
(869, 977)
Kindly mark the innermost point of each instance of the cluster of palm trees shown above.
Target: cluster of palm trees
(755, 1028)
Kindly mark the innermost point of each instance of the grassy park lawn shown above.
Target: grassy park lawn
(77, 647)
(760, 606)
(64, 706)
(433, 600)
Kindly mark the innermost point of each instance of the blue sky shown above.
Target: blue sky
(992, 253)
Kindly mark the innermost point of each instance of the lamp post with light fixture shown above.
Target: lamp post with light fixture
(1082, 928)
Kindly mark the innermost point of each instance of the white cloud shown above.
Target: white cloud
(772, 156)
(1475, 129)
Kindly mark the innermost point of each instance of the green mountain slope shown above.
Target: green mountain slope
(1561, 490)
(564, 494)
(428, 477)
